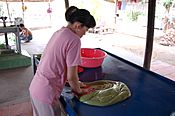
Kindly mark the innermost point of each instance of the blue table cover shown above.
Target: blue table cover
(151, 94)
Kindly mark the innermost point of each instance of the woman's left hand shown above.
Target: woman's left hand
(82, 85)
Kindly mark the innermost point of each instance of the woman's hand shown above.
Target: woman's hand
(86, 90)
(81, 84)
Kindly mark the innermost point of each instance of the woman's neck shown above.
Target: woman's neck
(71, 28)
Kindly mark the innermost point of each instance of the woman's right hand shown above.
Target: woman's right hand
(86, 90)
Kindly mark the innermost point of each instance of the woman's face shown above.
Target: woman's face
(81, 30)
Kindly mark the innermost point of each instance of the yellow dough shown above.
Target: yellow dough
(107, 93)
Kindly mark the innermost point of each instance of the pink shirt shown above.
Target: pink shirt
(62, 51)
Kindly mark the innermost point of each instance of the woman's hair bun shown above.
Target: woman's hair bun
(73, 14)
(69, 12)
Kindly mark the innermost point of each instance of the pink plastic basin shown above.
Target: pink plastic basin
(92, 58)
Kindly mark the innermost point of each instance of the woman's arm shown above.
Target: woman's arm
(73, 80)
(72, 77)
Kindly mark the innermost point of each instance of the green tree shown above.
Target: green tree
(167, 4)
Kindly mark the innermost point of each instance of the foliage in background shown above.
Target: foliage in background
(167, 4)
(94, 6)
(2, 46)
(133, 15)
(11, 40)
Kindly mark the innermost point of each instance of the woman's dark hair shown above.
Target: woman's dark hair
(73, 14)
(21, 25)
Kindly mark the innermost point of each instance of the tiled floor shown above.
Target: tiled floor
(164, 69)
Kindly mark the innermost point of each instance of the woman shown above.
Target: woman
(59, 63)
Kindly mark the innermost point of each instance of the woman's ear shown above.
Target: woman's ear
(77, 25)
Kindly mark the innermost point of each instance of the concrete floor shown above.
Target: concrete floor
(14, 84)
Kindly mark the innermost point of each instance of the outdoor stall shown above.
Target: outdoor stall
(151, 93)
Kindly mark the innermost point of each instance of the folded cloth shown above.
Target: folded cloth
(106, 93)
